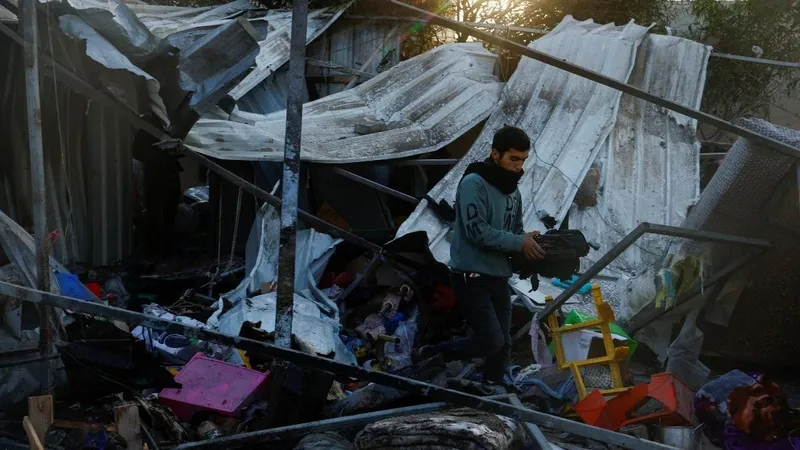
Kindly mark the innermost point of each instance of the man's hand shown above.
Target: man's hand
(530, 248)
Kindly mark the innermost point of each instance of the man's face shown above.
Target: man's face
(512, 160)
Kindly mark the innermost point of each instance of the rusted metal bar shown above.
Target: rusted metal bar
(520, 49)
(291, 175)
(314, 362)
(536, 435)
(30, 31)
(377, 186)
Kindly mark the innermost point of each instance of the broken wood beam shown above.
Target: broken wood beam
(574, 69)
(30, 431)
(323, 364)
(40, 414)
(309, 218)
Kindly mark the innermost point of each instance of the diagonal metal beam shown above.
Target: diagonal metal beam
(646, 317)
(314, 362)
(625, 243)
(602, 79)
(377, 186)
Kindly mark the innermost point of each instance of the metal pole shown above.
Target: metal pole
(536, 435)
(303, 429)
(314, 362)
(30, 33)
(627, 241)
(291, 174)
(377, 186)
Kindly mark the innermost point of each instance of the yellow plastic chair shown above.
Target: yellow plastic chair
(612, 359)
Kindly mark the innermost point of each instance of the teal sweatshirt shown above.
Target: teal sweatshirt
(488, 227)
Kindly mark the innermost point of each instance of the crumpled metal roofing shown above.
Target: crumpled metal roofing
(650, 165)
(138, 30)
(574, 122)
(566, 116)
(416, 107)
(164, 21)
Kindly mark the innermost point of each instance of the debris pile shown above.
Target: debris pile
(174, 344)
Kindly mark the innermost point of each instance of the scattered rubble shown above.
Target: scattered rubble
(173, 345)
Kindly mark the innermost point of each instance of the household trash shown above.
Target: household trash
(742, 410)
(563, 284)
(176, 348)
(550, 388)
(665, 401)
(208, 430)
(211, 385)
(588, 343)
(71, 286)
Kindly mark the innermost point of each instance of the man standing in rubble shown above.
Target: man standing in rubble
(488, 229)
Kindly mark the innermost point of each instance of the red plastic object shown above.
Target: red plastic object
(211, 385)
(610, 414)
(94, 287)
(676, 397)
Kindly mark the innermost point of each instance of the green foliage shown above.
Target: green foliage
(736, 88)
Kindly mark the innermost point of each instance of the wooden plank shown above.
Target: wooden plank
(33, 439)
(40, 414)
(129, 425)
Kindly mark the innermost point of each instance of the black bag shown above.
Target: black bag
(563, 251)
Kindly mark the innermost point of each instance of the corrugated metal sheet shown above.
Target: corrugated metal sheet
(369, 47)
(87, 162)
(567, 117)
(649, 167)
(647, 156)
(420, 105)
(7, 16)
(137, 28)
(275, 48)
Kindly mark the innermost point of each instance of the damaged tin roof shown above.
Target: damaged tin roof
(574, 122)
(177, 24)
(649, 165)
(417, 107)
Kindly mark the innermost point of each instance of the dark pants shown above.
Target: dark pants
(486, 304)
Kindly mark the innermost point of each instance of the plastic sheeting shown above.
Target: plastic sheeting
(316, 318)
(416, 107)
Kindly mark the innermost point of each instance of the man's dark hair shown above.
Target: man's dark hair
(507, 138)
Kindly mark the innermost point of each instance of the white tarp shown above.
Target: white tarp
(315, 321)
